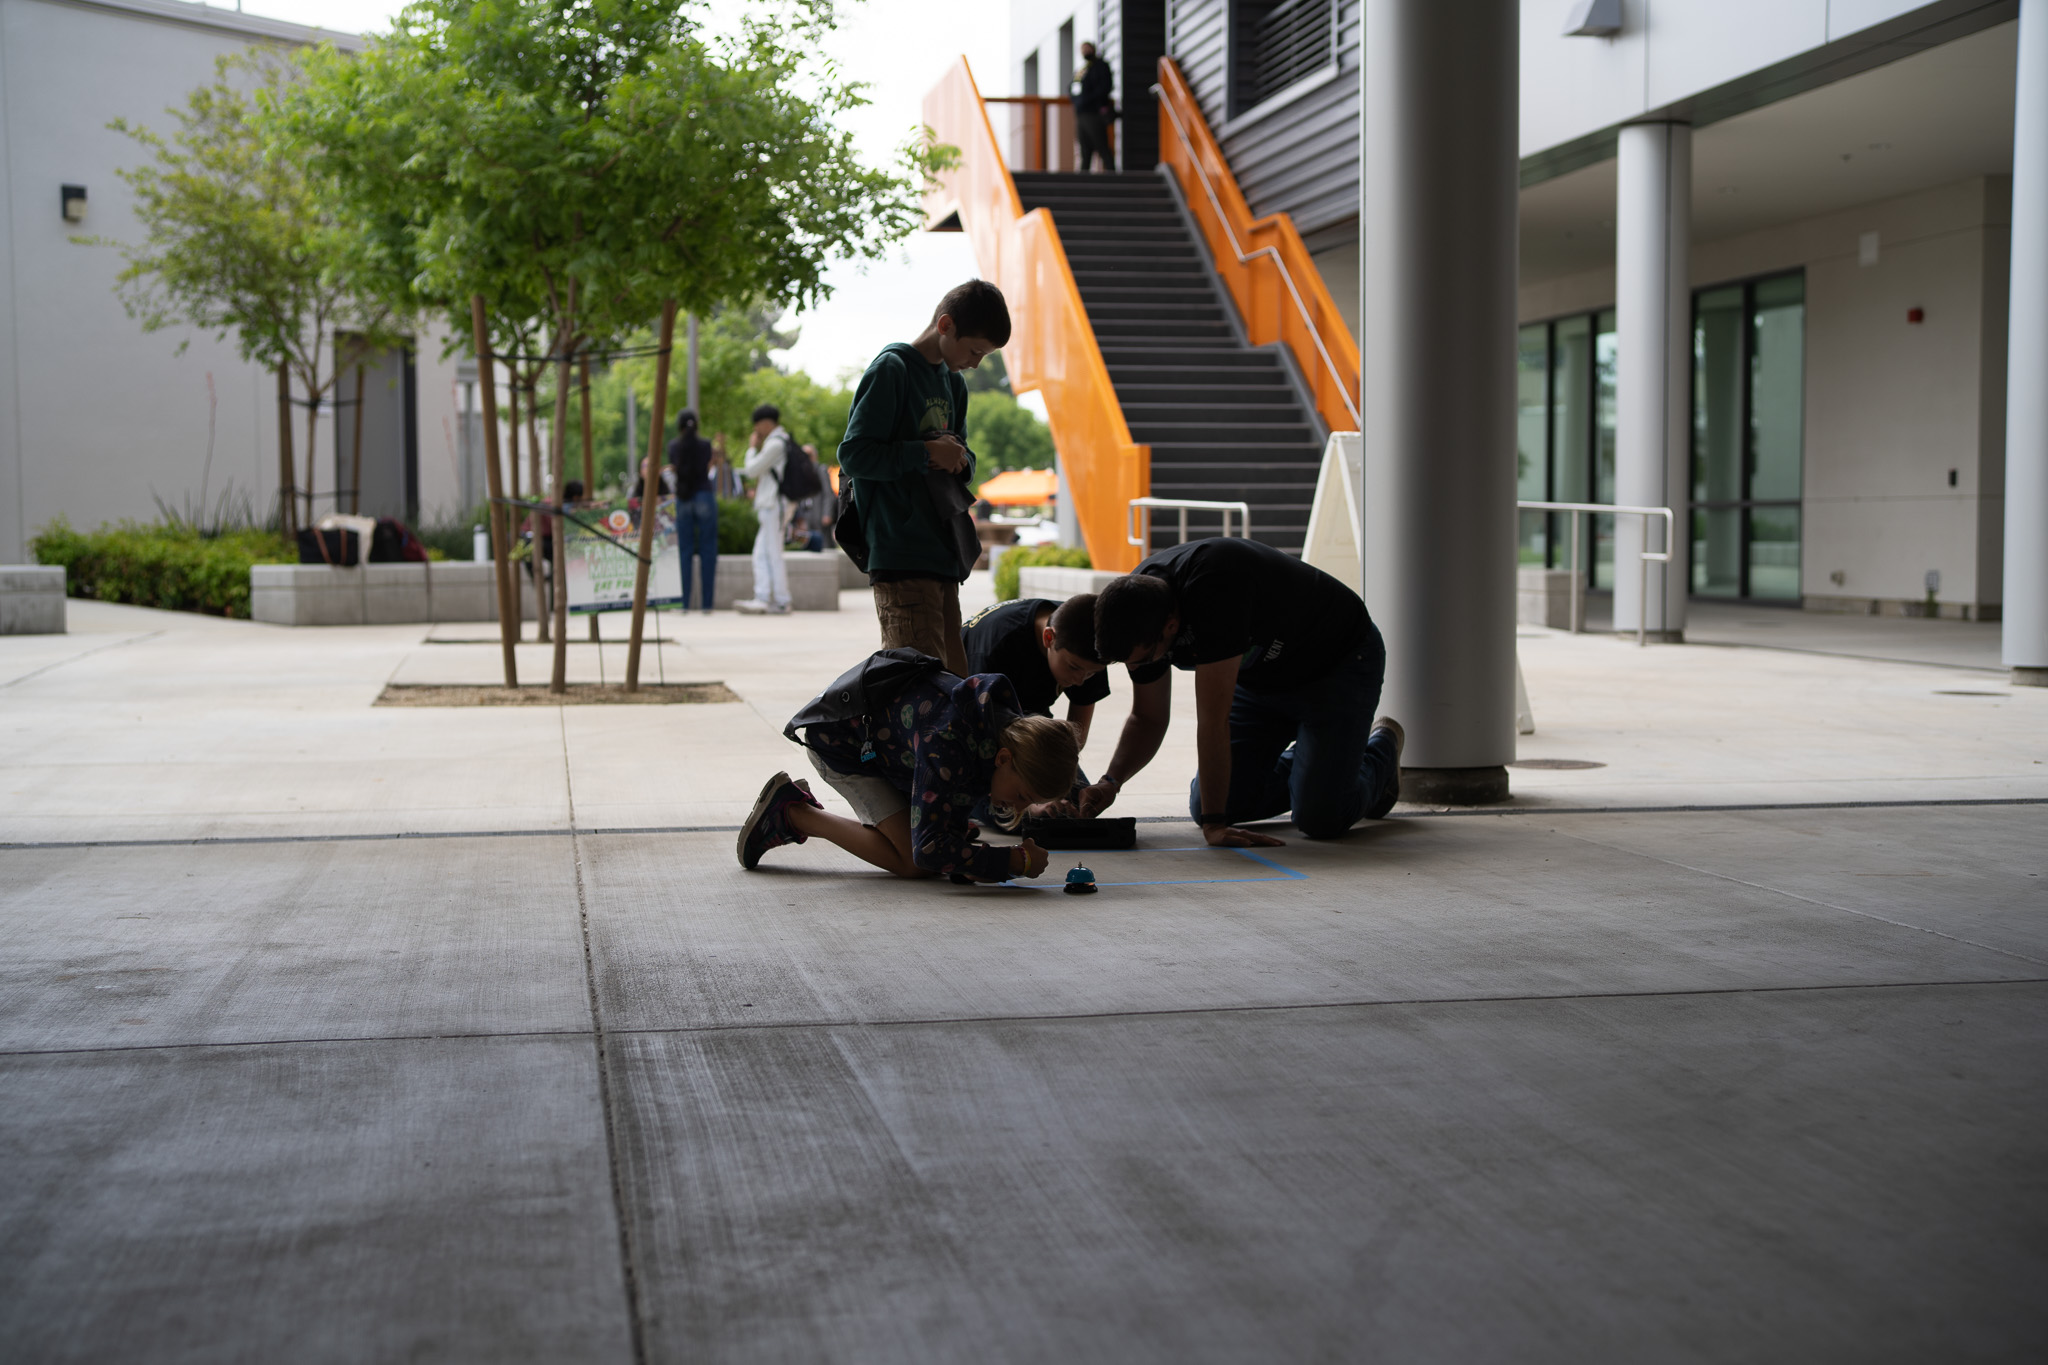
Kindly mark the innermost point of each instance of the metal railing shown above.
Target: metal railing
(1644, 556)
(1208, 188)
(1183, 506)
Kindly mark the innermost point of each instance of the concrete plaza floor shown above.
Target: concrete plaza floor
(338, 1032)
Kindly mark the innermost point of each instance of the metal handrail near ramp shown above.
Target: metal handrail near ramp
(1644, 557)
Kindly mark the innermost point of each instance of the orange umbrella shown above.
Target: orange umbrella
(1021, 488)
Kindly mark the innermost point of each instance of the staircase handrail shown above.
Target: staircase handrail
(1172, 92)
(1052, 344)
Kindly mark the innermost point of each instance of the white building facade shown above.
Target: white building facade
(98, 419)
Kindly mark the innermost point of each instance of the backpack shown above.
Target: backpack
(799, 480)
(863, 690)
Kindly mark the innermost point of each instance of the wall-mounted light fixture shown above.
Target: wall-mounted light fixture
(1593, 19)
(74, 203)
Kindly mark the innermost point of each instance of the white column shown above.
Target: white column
(1653, 370)
(1438, 334)
(2025, 611)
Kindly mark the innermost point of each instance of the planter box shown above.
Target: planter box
(1543, 597)
(374, 594)
(31, 599)
(1038, 580)
(424, 594)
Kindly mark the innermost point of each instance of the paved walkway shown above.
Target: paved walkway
(1606, 1077)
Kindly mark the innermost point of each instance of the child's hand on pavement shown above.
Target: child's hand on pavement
(946, 452)
(1028, 860)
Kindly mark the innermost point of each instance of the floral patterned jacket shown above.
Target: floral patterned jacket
(936, 743)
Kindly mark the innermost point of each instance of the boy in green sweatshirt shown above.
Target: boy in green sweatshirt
(912, 474)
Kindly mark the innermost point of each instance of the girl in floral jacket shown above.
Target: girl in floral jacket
(914, 772)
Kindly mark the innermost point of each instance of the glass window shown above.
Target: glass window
(1717, 396)
(1532, 444)
(1777, 388)
(1571, 413)
(1774, 552)
(1604, 352)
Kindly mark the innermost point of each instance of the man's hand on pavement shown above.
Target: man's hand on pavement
(1227, 836)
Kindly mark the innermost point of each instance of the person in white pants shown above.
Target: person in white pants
(768, 450)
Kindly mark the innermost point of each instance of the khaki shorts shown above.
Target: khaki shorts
(872, 798)
(923, 614)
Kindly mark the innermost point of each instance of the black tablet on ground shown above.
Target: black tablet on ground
(1110, 832)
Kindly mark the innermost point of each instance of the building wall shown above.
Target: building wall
(97, 417)
(1035, 27)
(1891, 406)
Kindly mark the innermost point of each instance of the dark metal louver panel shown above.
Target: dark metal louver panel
(1288, 42)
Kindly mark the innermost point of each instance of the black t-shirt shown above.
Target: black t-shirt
(692, 462)
(1004, 639)
(1288, 623)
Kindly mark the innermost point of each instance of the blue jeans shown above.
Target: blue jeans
(1335, 772)
(697, 534)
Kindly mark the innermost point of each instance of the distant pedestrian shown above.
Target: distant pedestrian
(912, 473)
(770, 446)
(1094, 108)
(692, 458)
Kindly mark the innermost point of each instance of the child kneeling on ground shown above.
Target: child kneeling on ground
(913, 768)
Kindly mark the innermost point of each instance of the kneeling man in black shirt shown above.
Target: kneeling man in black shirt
(1283, 655)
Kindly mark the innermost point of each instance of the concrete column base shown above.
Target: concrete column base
(1654, 637)
(1455, 786)
(2029, 677)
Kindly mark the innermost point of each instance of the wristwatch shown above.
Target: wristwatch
(1208, 818)
(1116, 782)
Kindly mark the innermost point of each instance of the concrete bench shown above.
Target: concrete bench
(31, 599)
(1543, 597)
(464, 590)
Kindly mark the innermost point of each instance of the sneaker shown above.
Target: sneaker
(768, 825)
(1379, 809)
(750, 607)
(778, 609)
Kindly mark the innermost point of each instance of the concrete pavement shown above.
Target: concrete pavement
(1596, 1079)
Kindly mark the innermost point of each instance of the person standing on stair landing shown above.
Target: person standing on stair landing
(1094, 108)
(1287, 668)
(912, 474)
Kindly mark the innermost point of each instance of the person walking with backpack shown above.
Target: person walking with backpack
(907, 475)
(770, 448)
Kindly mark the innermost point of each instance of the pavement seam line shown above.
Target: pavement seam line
(208, 841)
(37, 673)
(929, 1021)
(635, 1333)
(1809, 900)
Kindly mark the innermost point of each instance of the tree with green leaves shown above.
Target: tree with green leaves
(1005, 434)
(238, 241)
(587, 162)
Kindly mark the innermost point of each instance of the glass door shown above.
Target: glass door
(1748, 438)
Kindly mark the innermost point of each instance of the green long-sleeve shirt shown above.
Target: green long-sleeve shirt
(902, 400)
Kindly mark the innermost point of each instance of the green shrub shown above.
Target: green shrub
(1024, 556)
(736, 526)
(167, 566)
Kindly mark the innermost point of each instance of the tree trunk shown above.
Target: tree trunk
(541, 612)
(501, 566)
(355, 478)
(589, 465)
(558, 526)
(513, 514)
(650, 494)
(287, 467)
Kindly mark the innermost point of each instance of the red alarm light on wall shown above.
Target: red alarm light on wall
(1916, 316)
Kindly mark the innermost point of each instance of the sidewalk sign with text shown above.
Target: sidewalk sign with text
(600, 574)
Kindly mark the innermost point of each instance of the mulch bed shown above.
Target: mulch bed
(579, 694)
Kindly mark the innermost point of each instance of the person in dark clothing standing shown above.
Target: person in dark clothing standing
(1288, 668)
(696, 507)
(1094, 108)
(912, 471)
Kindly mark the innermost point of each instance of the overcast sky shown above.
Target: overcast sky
(900, 48)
